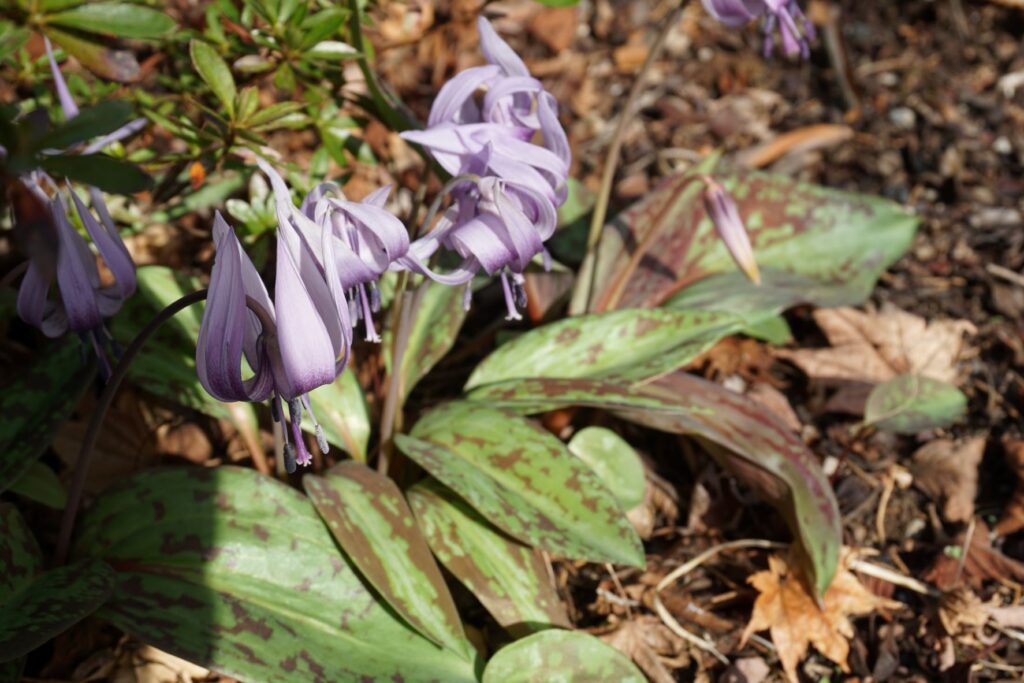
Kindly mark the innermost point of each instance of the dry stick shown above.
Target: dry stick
(67, 522)
(585, 284)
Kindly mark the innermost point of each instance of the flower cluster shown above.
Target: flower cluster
(59, 253)
(795, 29)
(331, 251)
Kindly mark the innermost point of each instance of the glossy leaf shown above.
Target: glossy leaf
(118, 19)
(236, 572)
(215, 72)
(341, 409)
(507, 577)
(50, 604)
(90, 123)
(913, 403)
(115, 65)
(524, 481)
(40, 483)
(36, 402)
(614, 460)
(632, 343)
(755, 445)
(557, 656)
(439, 317)
(812, 244)
(367, 514)
(105, 172)
(332, 50)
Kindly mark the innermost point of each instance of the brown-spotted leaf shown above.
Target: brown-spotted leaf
(20, 561)
(524, 481)
(812, 244)
(754, 444)
(633, 343)
(367, 514)
(562, 656)
(236, 572)
(508, 578)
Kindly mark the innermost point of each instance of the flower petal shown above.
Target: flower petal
(67, 103)
(498, 52)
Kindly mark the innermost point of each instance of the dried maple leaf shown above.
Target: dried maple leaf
(877, 346)
(786, 608)
(947, 471)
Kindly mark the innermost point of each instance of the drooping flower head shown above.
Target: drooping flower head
(725, 216)
(62, 255)
(795, 29)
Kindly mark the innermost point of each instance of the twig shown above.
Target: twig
(67, 522)
(1005, 274)
(895, 578)
(623, 598)
(686, 568)
(585, 283)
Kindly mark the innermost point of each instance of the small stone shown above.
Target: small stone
(903, 117)
(1002, 145)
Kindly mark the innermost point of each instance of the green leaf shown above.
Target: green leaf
(772, 329)
(812, 244)
(215, 72)
(50, 604)
(341, 409)
(273, 113)
(90, 123)
(373, 524)
(236, 572)
(614, 460)
(631, 343)
(439, 317)
(754, 444)
(41, 484)
(913, 403)
(105, 172)
(557, 656)
(116, 65)
(36, 402)
(20, 561)
(333, 50)
(115, 19)
(524, 481)
(507, 577)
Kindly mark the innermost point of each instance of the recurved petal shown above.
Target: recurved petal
(498, 52)
(484, 238)
(67, 103)
(77, 276)
(454, 102)
(32, 303)
(108, 242)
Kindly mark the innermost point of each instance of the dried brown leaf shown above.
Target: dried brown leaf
(1012, 519)
(947, 471)
(981, 562)
(785, 606)
(651, 645)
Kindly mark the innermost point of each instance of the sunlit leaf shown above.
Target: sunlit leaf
(341, 409)
(115, 19)
(913, 403)
(367, 514)
(631, 343)
(507, 577)
(614, 460)
(524, 481)
(332, 49)
(236, 572)
(215, 72)
(116, 65)
(751, 442)
(557, 656)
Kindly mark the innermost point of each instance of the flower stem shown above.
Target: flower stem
(584, 289)
(67, 522)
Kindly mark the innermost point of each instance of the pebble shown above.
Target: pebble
(903, 117)
(1002, 145)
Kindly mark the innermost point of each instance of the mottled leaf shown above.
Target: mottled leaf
(236, 572)
(35, 403)
(439, 315)
(524, 481)
(557, 656)
(20, 560)
(912, 403)
(114, 19)
(755, 445)
(632, 343)
(215, 72)
(50, 604)
(115, 65)
(341, 409)
(812, 244)
(40, 483)
(614, 460)
(369, 517)
(508, 578)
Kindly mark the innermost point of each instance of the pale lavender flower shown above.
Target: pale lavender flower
(795, 29)
(293, 345)
(722, 210)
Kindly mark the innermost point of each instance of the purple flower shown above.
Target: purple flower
(721, 208)
(293, 345)
(61, 254)
(794, 28)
